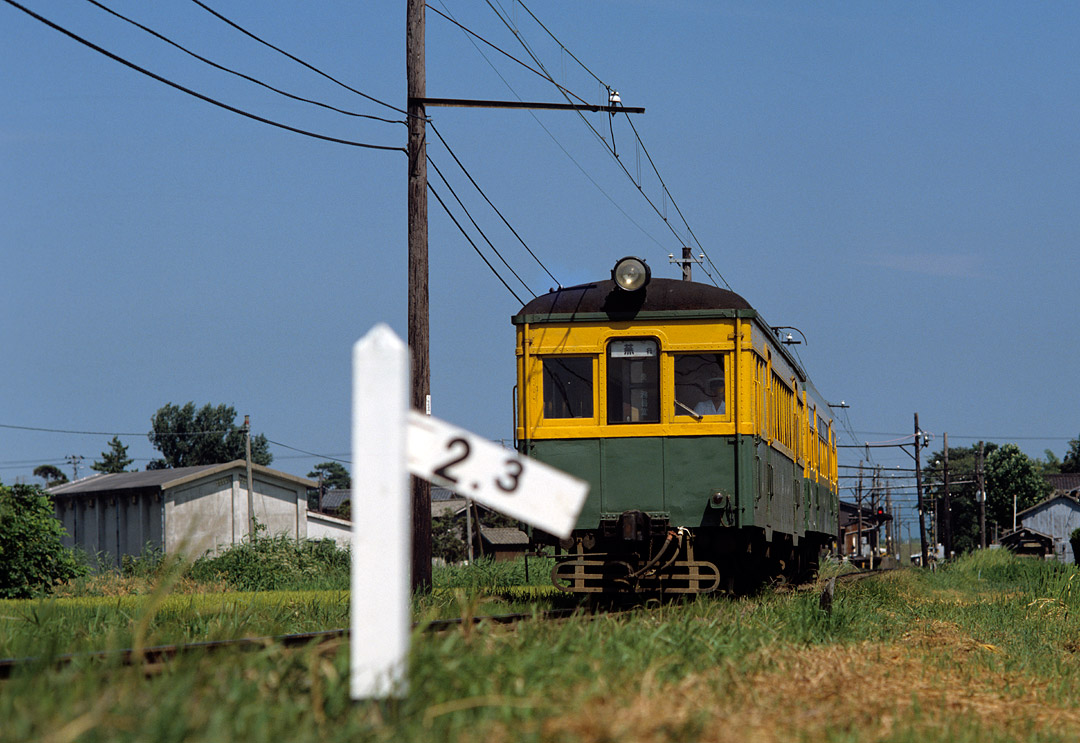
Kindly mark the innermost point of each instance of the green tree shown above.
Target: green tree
(1071, 463)
(51, 474)
(113, 460)
(963, 465)
(187, 437)
(1012, 474)
(32, 556)
(332, 475)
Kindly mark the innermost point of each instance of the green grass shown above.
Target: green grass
(984, 649)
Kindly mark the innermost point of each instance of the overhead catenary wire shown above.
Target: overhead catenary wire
(255, 117)
(610, 147)
(565, 151)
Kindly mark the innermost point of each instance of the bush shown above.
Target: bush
(277, 564)
(1074, 540)
(32, 557)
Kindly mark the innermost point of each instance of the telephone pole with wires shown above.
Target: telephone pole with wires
(418, 313)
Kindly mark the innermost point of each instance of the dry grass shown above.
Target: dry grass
(931, 685)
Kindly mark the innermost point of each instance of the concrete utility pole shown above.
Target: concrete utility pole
(918, 491)
(858, 511)
(420, 369)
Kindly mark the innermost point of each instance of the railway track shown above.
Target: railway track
(158, 654)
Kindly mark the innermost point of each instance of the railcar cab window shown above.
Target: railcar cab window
(633, 381)
(699, 385)
(568, 387)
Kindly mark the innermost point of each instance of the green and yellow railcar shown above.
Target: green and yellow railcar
(710, 455)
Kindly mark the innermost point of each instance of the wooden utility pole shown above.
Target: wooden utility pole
(250, 482)
(858, 511)
(918, 491)
(947, 507)
(982, 498)
(420, 368)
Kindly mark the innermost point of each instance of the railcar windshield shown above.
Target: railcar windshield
(568, 387)
(699, 384)
(633, 381)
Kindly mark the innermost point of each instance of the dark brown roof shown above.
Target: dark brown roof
(1065, 483)
(661, 295)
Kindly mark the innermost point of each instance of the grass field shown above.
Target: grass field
(982, 650)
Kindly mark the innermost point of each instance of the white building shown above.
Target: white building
(188, 509)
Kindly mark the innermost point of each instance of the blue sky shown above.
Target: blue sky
(898, 180)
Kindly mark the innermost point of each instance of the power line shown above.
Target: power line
(296, 59)
(502, 51)
(241, 75)
(566, 152)
(469, 239)
(474, 224)
(481, 191)
(610, 147)
(310, 453)
(193, 93)
(110, 433)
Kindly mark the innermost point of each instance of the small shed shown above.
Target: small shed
(502, 543)
(1056, 517)
(187, 509)
(1026, 541)
(871, 529)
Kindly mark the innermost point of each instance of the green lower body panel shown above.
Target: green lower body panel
(693, 481)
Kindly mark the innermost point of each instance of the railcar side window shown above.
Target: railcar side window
(699, 384)
(568, 387)
(633, 381)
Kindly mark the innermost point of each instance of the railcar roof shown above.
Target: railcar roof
(602, 298)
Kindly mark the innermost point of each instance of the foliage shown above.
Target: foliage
(277, 563)
(1012, 474)
(963, 466)
(113, 460)
(1071, 463)
(188, 437)
(32, 557)
(332, 475)
(983, 650)
(447, 542)
(51, 474)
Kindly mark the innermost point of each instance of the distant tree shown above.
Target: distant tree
(1012, 474)
(32, 556)
(187, 437)
(113, 460)
(1071, 463)
(963, 465)
(51, 474)
(1051, 465)
(332, 475)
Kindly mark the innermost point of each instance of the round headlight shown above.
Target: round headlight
(631, 274)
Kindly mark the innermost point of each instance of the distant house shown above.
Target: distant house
(501, 543)
(1065, 484)
(850, 535)
(1026, 541)
(1055, 518)
(187, 509)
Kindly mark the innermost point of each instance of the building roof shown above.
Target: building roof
(1070, 499)
(335, 498)
(164, 479)
(1066, 482)
(504, 535)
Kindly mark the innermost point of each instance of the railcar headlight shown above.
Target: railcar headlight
(631, 274)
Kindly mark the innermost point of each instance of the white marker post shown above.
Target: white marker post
(382, 534)
(498, 478)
